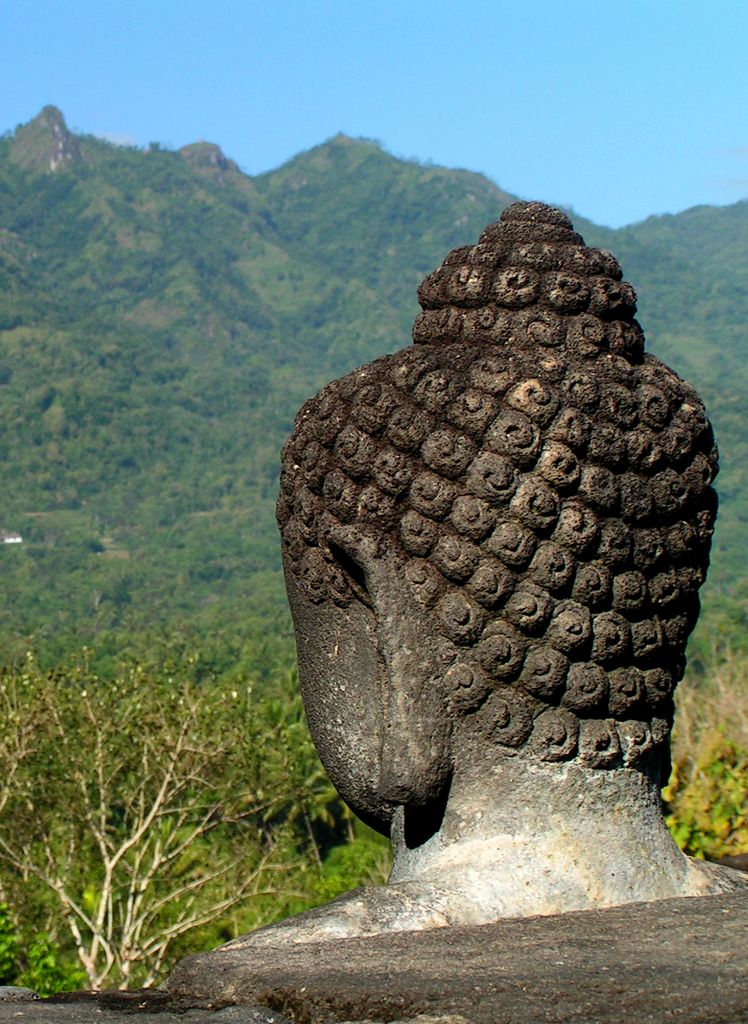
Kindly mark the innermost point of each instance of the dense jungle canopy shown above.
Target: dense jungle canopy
(163, 316)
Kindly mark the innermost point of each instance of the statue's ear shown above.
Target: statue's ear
(355, 552)
(416, 762)
(416, 758)
(342, 678)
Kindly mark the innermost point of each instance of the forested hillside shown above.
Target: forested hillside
(163, 316)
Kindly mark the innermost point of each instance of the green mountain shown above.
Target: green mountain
(163, 316)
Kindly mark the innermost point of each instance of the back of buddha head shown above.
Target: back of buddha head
(542, 486)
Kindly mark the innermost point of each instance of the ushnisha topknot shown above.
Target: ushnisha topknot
(531, 282)
(545, 484)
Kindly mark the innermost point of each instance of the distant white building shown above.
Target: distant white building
(10, 538)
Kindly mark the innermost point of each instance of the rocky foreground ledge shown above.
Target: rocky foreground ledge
(675, 960)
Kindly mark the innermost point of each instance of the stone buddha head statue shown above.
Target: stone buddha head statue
(494, 539)
(493, 544)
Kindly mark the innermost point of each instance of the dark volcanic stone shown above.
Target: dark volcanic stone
(739, 862)
(148, 1007)
(525, 433)
(679, 960)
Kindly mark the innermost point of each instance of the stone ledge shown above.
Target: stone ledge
(675, 960)
(682, 960)
(147, 1007)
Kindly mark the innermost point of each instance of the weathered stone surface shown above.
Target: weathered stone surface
(739, 862)
(524, 463)
(674, 961)
(678, 960)
(16, 994)
(116, 1007)
(493, 544)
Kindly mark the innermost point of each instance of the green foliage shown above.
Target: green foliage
(707, 796)
(46, 971)
(38, 966)
(146, 814)
(8, 947)
(364, 860)
(162, 318)
(709, 804)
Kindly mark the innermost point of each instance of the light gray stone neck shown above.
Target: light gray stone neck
(520, 838)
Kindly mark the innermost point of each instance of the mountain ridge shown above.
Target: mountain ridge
(163, 316)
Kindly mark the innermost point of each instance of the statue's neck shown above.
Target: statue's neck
(541, 838)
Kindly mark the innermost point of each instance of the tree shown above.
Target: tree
(134, 811)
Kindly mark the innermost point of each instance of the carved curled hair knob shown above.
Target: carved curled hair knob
(540, 486)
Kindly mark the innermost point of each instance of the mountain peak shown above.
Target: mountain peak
(45, 143)
(207, 157)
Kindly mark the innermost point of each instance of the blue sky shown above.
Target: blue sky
(619, 110)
